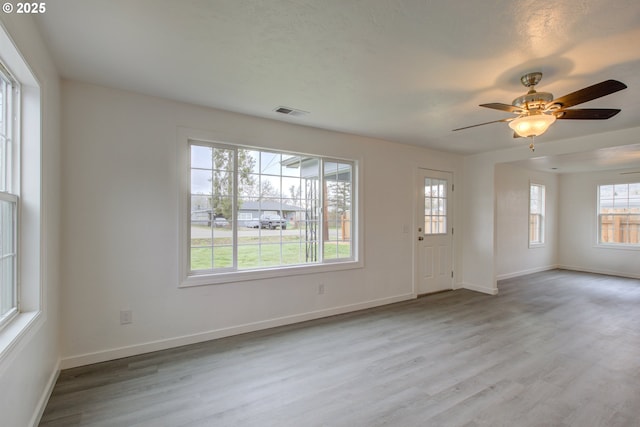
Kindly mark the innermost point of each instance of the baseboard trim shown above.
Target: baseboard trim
(46, 394)
(117, 353)
(525, 272)
(478, 288)
(599, 271)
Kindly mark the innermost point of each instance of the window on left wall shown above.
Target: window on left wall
(9, 155)
(21, 196)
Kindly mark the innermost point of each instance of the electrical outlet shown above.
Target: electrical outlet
(126, 317)
(321, 289)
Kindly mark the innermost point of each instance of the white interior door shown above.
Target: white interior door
(434, 231)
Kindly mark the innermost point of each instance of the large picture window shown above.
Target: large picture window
(253, 209)
(536, 214)
(8, 201)
(619, 214)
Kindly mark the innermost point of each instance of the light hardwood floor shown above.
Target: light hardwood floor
(557, 348)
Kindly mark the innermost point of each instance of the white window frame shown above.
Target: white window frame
(9, 190)
(186, 279)
(541, 226)
(599, 214)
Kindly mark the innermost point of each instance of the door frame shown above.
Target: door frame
(418, 219)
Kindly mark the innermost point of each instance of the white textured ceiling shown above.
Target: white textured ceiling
(408, 71)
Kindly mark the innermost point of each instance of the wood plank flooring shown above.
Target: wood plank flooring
(557, 348)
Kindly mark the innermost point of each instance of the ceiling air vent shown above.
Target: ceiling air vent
(291, 111)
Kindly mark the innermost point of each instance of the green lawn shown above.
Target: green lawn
(260, 255)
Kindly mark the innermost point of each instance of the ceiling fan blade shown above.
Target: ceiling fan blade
(588, 114)
(598, 90)
(487, 123)
(503, 107)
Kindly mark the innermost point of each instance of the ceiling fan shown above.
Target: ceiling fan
(536, 111)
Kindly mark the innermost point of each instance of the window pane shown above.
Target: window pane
(270, 186)
(535, 206)
(606, 228)
(621, 191)
(223, 256)
(201, 258)
(270, 255)
(536, 213)
(201, 157)
(8, 285)
(435, 204)
(619, 209)
(534, 228)
(330, 168)
(338, 178)
(606, 192)
(6, 89)
(620, 198)
(212, 177)
(291, 165)
(291, 188)
(223, 159)
(248, 161)
(201, 181)
(293, 253)
(249, 187)
(269, 163)
(249, 254)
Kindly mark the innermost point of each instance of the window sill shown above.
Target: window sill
(536, 245)
(242, 276)
(619, 246)
(10, 335)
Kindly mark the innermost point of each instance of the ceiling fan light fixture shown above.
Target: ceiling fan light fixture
(532, 125)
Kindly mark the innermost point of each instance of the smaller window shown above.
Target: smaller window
(435, 206)
(619, 214)
(536, 214)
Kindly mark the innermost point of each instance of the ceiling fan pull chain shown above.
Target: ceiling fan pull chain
(531, 146)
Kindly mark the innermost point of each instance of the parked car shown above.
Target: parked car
(273, 221)
(220, 222)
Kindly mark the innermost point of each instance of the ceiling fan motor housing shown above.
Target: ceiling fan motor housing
(533, 100)
(531, 79)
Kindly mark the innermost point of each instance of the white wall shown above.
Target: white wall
(120, 248)
(478, 225)
(29, 368)
(578, 249)
(514, 257)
